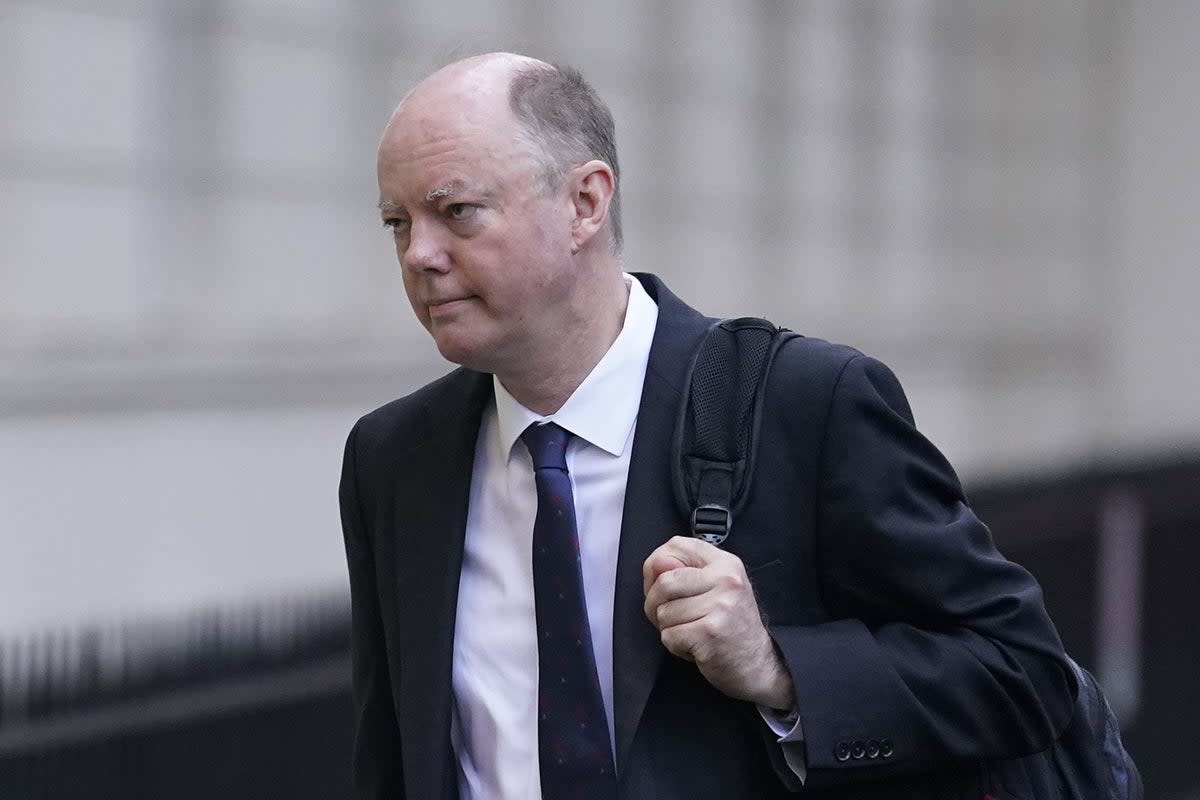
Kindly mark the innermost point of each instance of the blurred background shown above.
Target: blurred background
(197, 301)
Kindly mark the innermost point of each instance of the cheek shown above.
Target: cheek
(410, 289)
(541, 252)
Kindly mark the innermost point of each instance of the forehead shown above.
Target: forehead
(438, 144)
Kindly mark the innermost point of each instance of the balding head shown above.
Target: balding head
(487, 72)
(472, 80)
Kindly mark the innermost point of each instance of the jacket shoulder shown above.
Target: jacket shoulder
(809, 373)
(812, 363)
(403, 422)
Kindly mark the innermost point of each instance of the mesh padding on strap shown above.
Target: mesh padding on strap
(725, 381)
(723, 389)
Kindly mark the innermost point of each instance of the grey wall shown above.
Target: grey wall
(196, 299)
(1155, 326)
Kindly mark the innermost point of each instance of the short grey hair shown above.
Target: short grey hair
(568, 124)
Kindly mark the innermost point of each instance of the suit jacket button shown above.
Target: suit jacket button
(842, 751)
(858, 750)
(872, 749)
(885, 748)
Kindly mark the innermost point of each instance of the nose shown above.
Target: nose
(426, 248)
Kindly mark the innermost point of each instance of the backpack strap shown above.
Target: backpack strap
(716, 431)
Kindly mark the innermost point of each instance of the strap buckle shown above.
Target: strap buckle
(711, 523)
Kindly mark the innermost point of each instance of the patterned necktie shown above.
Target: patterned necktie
(573, 744)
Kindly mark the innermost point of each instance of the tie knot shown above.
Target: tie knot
(548, 445)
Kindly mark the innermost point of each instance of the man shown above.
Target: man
(526, 622)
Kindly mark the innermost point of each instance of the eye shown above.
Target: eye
(396, 225)
(460, 211)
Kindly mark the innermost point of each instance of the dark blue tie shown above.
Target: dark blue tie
(573, 744)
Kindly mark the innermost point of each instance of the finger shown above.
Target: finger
(681, 582)
(657, 563)
(691, 551)
(682, 611)
(664, 563)
(672, 585)
(682, 549)
(690, 640)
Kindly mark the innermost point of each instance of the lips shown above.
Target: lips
(446, 302)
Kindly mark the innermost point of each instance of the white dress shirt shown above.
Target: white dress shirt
(495, 672)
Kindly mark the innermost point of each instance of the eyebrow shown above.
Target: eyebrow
(445, 190)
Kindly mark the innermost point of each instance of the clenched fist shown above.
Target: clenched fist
(701, 602)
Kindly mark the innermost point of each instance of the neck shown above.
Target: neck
(547, 384)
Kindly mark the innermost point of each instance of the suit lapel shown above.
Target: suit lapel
(431, 518)
(650, 516)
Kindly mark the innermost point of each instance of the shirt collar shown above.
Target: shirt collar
(603, 409)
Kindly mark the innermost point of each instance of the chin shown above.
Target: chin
(465, 354)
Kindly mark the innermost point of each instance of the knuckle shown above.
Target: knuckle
(671, 640)
(669, 580)
(731, 581)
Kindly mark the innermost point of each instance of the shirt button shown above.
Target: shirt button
(842, 751)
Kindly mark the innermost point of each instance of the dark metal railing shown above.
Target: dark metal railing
(252, 698)
(253, 702)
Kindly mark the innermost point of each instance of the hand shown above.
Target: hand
(701, 602)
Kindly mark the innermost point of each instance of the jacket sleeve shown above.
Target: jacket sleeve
(378, 772)
(939, 650)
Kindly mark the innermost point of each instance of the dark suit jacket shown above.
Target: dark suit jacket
(922, 659)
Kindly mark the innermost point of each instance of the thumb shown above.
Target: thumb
(664, 563)
(656, 564)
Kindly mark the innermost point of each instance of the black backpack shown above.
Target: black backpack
(712, 465)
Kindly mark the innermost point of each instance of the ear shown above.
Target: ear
(592, 186)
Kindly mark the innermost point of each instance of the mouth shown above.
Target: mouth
(448, 303)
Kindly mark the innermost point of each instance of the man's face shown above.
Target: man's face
(484, 247)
